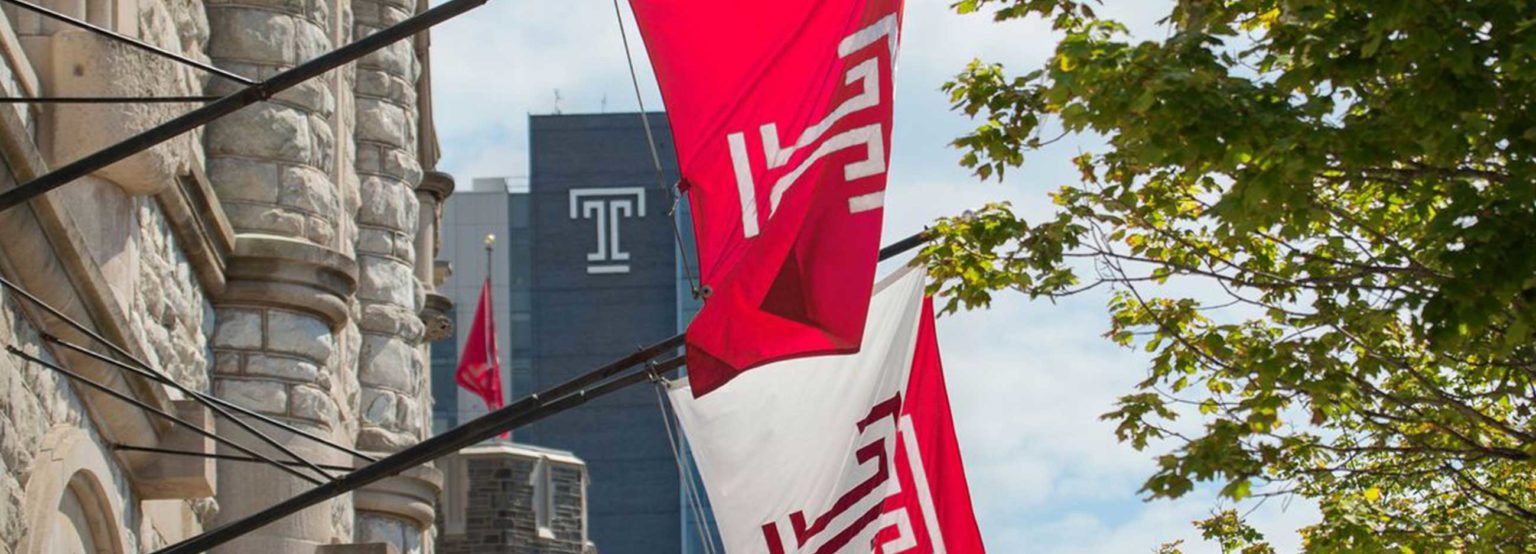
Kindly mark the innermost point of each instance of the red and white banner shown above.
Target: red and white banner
(781, 116)
(848, 454)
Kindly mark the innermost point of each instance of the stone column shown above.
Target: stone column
(435, 187)
(274, 167)
(391, 372)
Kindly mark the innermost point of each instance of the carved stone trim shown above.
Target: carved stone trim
(435, 186)
(411, 495)
(69, 461)
(273, 271)
(45, 253)
(434, 313)
(16, 59)
(74, 62)
(202, 229)
(437, 183)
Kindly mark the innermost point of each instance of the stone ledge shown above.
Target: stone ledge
(386, 439)
(165, 476)
(280, 272)
(411, 494)
(80, 63)
(437, 183)
(366, 548)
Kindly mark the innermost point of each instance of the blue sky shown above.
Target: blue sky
(1028, 379)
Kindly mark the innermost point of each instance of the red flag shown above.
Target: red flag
(781, 114)
(854, 454)
(929, 466)
(480, 366)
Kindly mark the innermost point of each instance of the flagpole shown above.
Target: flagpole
(490, 350)
(490, 244)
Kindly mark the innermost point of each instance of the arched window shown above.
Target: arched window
(81, 525)
(69, 508)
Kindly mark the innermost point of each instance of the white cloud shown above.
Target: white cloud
(496, 65)
(1028, 380)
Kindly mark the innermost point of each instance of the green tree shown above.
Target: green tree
(1353, 181)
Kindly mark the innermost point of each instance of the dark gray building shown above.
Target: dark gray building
(592, 270)
(513, 499)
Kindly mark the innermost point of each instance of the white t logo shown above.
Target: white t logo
(606, 206)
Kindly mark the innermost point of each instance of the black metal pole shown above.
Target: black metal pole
(45, 12)
(215, 456)
(531, 408)
(239, 99)
(106, 99)
(120, 351)
(140, 404)
(912, 241)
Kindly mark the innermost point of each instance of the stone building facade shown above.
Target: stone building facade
(279, 258)
(514, 499)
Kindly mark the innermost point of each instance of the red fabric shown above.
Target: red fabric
(927, 404)
(479, 365)
(781, 115)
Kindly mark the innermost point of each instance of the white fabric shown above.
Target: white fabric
(781, 439)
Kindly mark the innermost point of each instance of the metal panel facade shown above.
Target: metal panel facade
(604, 281)
(587, 278)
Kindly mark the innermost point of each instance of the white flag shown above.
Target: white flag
(839, 454)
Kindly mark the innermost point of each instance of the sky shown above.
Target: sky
(1028, 380)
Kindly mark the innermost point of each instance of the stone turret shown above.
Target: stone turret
(279, 258)
(392, 370)
(281, 345)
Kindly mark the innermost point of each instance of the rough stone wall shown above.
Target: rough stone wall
(169, 305)
(275, 361)
(499, 511)
(391, 373)
(132, 243)
(34, 400)
(274, 168)
(390, 369)
(343, 173)
(318, 184)
(128, 236)
(570, 506)
(380, 528)
(270, 162)
(168, 314)
(149, 275)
